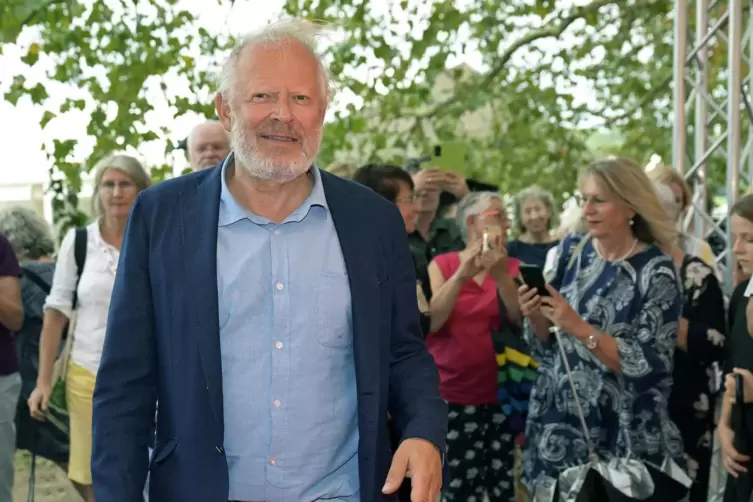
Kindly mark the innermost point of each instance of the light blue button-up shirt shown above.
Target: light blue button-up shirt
(288, 372)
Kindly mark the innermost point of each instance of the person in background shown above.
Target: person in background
(30, 236)
(11, 321)
(683, 196)
(342, 169)
(700, 344)
(207, 144)
(118, 179)
(534, 215)
(615, 299)
(466, 287)
(739, 351)
(396, 185)
(434, 235)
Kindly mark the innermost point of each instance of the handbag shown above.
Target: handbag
(619, 479)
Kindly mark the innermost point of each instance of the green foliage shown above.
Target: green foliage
(112, 52)
(522, 128)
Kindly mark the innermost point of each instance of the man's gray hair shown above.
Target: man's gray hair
(28, 233)
(306, 33)
(471, 205)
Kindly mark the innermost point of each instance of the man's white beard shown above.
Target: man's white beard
(249, 158)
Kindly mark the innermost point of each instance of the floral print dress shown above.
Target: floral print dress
(692, 403)
(638, 302)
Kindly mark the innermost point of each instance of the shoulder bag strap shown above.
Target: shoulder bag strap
(36, 279)
(79, 253)
(576, 251)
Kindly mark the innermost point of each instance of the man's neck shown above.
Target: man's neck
(423, 224)
(268, 199)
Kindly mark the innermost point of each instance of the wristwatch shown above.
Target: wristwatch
(592, 341)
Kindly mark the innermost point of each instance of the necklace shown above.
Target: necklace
(623, 257)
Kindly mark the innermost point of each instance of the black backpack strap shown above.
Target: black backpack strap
(36, 279)
(79, 253)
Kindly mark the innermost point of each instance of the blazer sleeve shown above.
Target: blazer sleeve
(125, 393)
(416, 407)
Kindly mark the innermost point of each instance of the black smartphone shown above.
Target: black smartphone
(533, 276)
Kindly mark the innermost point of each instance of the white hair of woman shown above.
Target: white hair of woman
(473, 204)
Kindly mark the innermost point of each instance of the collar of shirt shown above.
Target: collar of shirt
(748, 289)
(231, 211)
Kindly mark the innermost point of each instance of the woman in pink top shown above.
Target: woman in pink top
(466, 287)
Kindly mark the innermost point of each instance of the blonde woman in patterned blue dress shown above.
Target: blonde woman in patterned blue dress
(616, 298)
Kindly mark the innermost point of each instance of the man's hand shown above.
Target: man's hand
(420, 461)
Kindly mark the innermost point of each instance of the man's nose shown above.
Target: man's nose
(283, 112)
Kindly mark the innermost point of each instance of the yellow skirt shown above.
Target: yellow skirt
(79, 391)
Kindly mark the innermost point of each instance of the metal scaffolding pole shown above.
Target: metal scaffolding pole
(717, 104)
(716, 95)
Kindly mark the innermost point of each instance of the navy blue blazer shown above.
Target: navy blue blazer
(162, 343)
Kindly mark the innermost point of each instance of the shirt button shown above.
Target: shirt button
(273, 462)
(279, 286)
(278, 345)
(277, 403)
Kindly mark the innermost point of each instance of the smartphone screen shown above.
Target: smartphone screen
(533, 276)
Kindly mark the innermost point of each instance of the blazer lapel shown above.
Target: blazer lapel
(364, 284)
(200, 211)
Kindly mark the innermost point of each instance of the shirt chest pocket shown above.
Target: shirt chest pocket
(333, 311)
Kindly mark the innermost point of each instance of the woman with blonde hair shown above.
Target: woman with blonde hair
(117, 181)
(683, 197)
(615, 301)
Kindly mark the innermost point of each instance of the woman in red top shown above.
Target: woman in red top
(465, 289)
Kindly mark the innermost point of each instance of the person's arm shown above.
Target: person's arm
(645, 354)
(444, 295)
(508, 292)
(125, 394)
(11, 308)
(58, 308)
(417, 409)
(536, 324)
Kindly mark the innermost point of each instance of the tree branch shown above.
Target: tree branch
(534, 35)
(33, 14)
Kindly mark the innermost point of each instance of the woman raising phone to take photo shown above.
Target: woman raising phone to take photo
(466, 287)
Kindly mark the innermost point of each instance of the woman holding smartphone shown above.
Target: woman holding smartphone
(616, 298)
(465, 306)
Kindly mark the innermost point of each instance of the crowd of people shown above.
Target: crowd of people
(265, 330)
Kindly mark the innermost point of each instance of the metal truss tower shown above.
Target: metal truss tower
(708, 123)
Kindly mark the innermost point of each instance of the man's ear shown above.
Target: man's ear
(222, 105)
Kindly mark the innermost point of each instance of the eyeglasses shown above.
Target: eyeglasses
(405, 200)
(109, 186)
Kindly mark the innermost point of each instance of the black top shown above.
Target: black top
(703, 307)
(530, 254)
(739, 350)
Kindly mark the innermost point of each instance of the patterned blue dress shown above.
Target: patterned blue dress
(638, 302)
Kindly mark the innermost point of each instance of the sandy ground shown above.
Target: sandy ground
(51, 482)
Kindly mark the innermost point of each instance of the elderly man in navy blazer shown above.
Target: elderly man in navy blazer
(271, 309)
